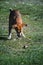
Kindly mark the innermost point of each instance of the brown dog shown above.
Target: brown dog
(15, 21)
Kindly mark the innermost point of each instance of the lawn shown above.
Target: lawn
(13, 52)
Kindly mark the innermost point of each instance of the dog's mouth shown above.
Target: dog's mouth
(19, 34)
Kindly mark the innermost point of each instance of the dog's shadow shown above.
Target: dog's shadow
(3, 37)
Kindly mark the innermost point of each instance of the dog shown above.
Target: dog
(15, 22)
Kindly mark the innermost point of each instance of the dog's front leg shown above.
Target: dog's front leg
(22, 33)
(9, 37)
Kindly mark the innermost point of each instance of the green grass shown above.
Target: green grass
(12, 51)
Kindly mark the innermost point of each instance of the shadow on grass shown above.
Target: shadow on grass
(3, 37)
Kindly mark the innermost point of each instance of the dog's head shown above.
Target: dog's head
(19, 28)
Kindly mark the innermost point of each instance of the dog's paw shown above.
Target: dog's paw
(9, 37)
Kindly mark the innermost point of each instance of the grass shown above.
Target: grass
(12, 51)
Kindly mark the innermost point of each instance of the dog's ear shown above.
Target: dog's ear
(11, 9)
(24, 24)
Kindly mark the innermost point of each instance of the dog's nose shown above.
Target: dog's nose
(19, 34)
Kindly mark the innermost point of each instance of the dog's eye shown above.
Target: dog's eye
(19, 30)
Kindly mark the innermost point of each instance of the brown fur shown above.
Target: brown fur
(15, 21)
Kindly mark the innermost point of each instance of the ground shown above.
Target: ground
(12, 52)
